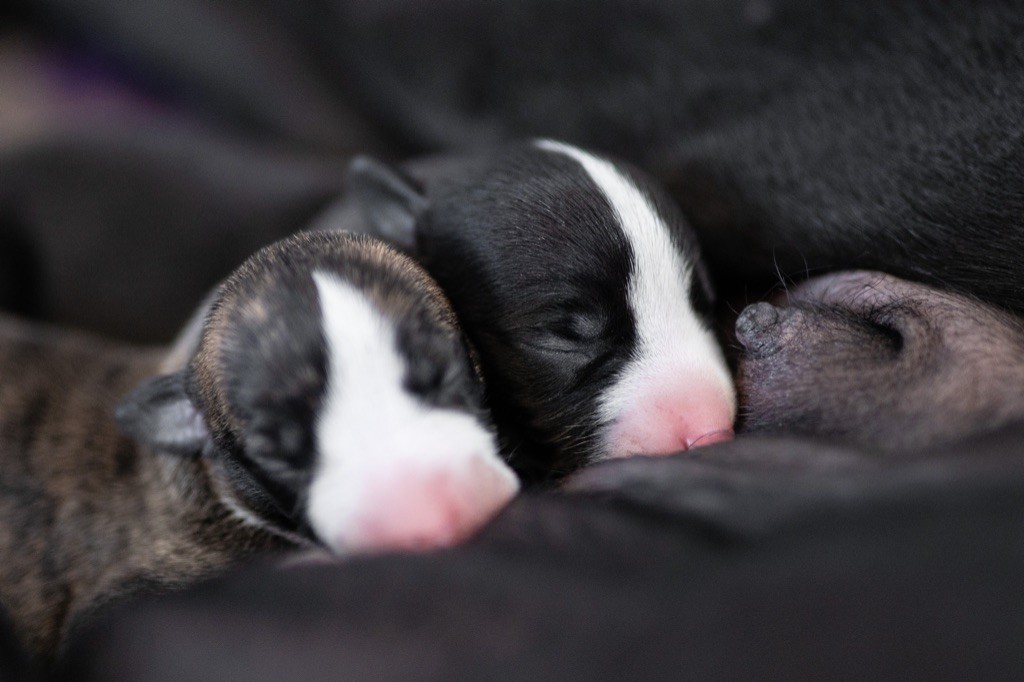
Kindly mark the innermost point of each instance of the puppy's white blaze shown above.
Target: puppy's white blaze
(370, 429)
(671, 338)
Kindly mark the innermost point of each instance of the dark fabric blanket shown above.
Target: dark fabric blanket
(777, 559)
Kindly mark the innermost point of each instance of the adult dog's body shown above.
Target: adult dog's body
(798, 136)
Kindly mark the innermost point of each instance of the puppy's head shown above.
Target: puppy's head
(581, 286)
(332, 393)
(877, 361)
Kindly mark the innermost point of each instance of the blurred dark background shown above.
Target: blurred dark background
(147, 148)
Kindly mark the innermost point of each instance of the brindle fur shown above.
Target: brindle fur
(86, 513)
(90, 514)
(248, 298)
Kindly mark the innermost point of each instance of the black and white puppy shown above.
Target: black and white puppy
(582, 287)
(327, 396)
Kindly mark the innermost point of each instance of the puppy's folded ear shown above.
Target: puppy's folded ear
(390, 201)
(160, 414)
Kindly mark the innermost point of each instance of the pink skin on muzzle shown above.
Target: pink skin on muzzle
(673, 418)
(423, 508)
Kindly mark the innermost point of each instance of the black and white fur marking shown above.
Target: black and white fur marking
(372, 430)
(330, 387)
(581, 286)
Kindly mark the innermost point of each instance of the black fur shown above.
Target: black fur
(531, 255)
(797, 135)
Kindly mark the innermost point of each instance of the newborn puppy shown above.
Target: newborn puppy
(867, 358)
(582, 287)
(327, 397)
(332, 389)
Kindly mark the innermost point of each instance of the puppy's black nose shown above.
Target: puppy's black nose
(758, 327)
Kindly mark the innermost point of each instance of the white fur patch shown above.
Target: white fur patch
(370, 429)
(672, 340)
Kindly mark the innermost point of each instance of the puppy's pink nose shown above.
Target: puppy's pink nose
(417, 509)
(668, 422)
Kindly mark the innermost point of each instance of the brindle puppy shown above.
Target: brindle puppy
(328, 397)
